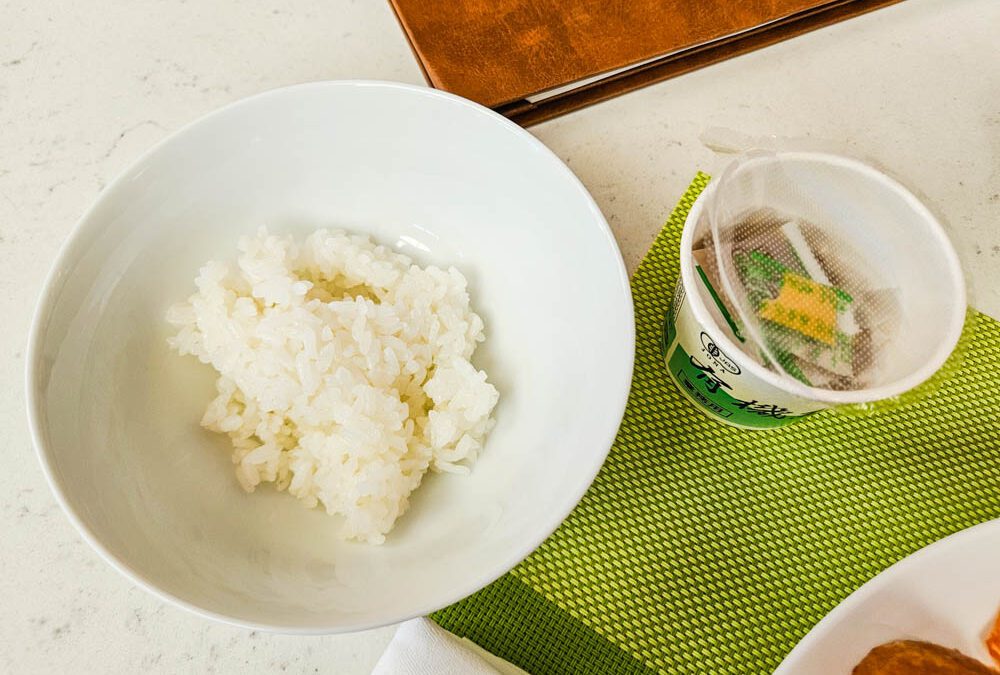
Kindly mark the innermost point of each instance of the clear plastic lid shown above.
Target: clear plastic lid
(802, 277)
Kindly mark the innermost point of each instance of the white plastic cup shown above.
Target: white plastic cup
(876, 215)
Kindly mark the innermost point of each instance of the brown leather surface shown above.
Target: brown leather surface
(499, 52)
(909, 657)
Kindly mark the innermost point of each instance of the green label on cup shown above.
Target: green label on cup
(701, 384)
(706, 385)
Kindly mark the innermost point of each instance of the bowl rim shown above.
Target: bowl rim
(44, 306)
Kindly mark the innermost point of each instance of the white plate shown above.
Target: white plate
(947, 593)
(115, 414)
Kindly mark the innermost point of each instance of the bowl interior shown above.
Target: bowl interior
(116, 413)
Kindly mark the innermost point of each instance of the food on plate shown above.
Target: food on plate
(913, 657)
(993, 641)
(345, 371)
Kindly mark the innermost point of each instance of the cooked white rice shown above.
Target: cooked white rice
(344, 371)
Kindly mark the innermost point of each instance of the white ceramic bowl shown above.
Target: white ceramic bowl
(115, 414)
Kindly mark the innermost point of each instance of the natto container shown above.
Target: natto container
(875, 214)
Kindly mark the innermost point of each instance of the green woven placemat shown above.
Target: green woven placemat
(703, 548)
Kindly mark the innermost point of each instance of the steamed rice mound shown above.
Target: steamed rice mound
(344, 371)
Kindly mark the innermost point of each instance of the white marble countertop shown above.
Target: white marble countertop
(87, 86)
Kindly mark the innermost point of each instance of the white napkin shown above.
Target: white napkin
(421, 647)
